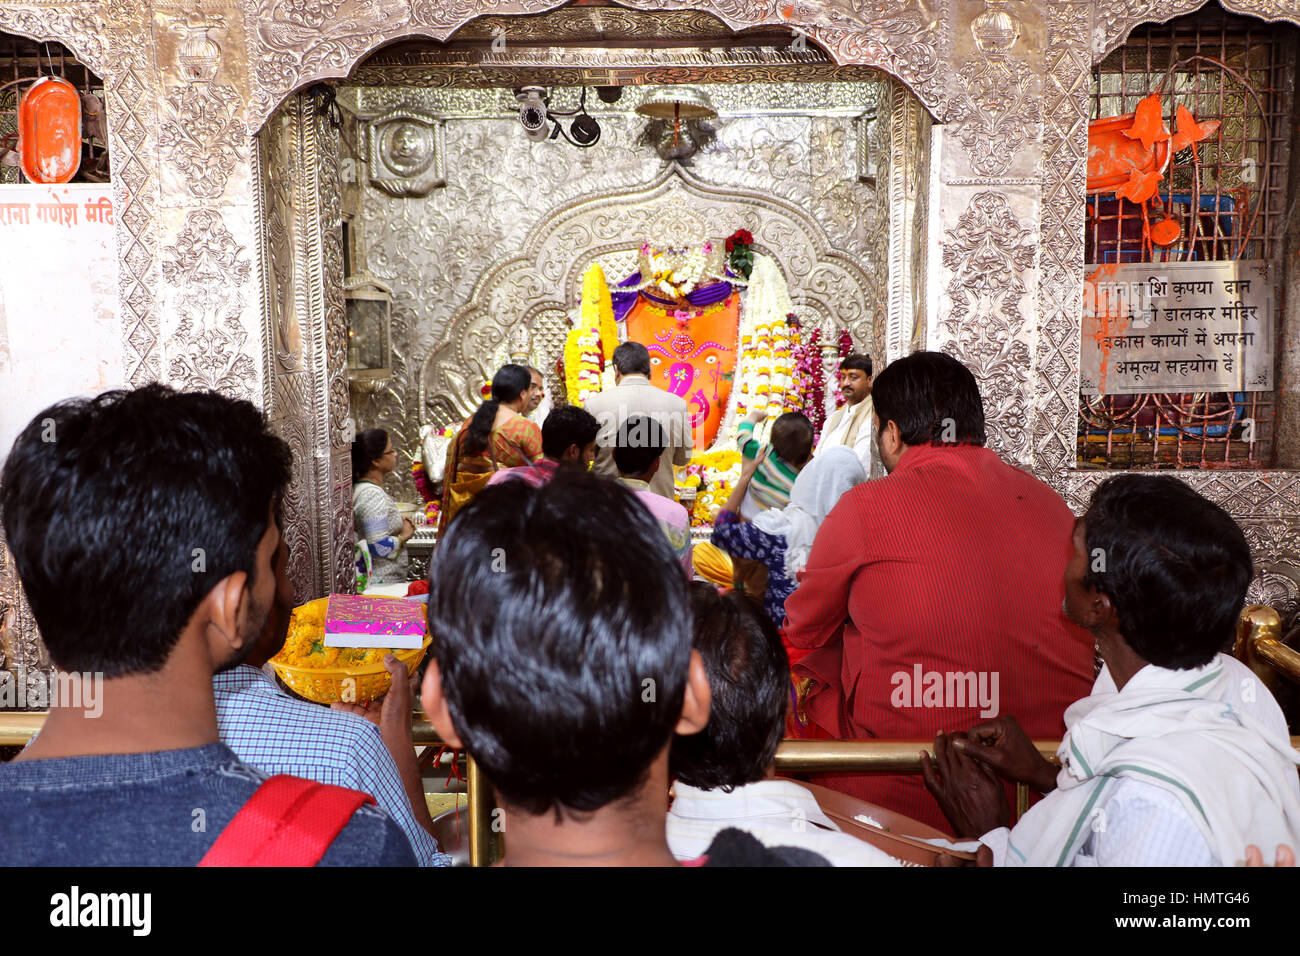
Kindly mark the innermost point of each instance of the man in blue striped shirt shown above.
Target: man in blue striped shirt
(277, 733)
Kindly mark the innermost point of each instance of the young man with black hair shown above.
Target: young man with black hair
(141, 524)
(724, 775)
(562, 663)
(568, 441)
(932, 596)
(850, 424)
(634, 394)
(637, 457)
(1180, 756)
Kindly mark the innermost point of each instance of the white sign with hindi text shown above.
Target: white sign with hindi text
(59, 329)
(1177, 327)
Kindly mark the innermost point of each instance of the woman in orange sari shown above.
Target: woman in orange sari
(495, 437)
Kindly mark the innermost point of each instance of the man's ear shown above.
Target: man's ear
(695, 704)
(1102, 612)
(435, 706)
(224, 607)
(571, 454)
(886, 436)
(654, 469)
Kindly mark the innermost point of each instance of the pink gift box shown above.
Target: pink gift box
(356, 620)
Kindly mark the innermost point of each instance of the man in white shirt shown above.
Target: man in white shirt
(724, 775)
(851, 423)
(1180, 756)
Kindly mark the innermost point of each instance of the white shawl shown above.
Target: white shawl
(1176, 730)
(815, 492)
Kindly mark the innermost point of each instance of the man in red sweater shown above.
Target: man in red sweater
(933, 597)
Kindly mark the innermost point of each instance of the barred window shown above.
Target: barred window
(1228, 196)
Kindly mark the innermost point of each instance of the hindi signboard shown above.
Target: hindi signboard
(1177, 327)
(59, 328)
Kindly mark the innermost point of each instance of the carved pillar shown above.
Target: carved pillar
(988, 206)
(1066, 80)
(909, 142)
(306, 340)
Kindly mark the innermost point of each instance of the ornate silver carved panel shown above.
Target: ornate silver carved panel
(989, 254)
(205, 270)
(303, 43)
(826, 285)
(405, 149)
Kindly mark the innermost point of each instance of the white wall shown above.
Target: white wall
(59, 329)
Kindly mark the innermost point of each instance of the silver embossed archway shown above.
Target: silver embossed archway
(533, 289)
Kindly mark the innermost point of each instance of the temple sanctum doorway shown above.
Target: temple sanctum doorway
(735, 201)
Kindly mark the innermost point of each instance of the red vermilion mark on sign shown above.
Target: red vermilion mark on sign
(1107, 320)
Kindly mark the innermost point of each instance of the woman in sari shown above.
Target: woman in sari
(495, 437)
(380, 527)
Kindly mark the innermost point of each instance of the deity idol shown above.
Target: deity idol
(692, 355)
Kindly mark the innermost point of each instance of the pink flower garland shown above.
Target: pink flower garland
(809, 391)
(422, 482)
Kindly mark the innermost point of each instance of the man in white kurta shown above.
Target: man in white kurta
(1134, 800)
(1179, 756)
(851, 424)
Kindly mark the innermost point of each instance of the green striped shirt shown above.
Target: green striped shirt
(773, 479)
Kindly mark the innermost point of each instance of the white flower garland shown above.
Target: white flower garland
(765, 370)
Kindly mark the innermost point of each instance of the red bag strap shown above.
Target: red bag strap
(288, 821)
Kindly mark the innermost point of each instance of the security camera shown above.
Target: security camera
(532, 111)
(585, 131)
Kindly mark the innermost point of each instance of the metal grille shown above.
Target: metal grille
(1228, 194)
(23, 59)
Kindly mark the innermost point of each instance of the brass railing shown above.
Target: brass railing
(792, 756)
(1261, 647)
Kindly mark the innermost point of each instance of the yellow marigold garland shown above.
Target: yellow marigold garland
(598, 309)
(572, 364)
(582, 365)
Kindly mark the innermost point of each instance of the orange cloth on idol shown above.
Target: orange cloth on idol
(692, 355)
